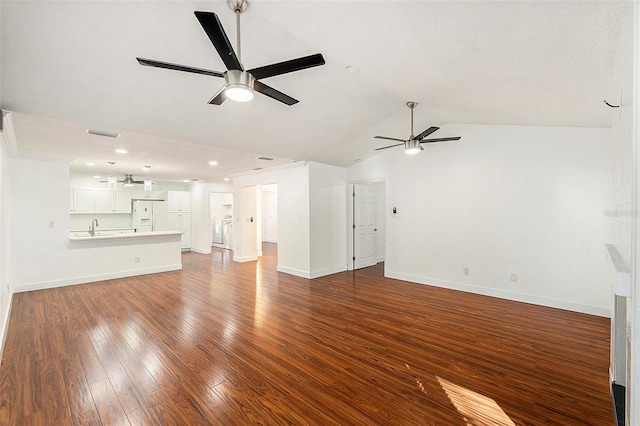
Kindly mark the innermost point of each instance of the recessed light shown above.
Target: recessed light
(226, 179)
(213, 163)
(97, 177)
(91, 164)
(103, 133)
(121, 151)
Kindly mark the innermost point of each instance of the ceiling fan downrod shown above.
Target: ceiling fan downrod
(238, 6)
(411, 106)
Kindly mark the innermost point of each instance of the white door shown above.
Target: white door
(364, 239)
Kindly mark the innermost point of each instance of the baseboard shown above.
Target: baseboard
(503, 294)
(293, 271)
(93, 278)
(380, 259)
(201, 251)
(245, 258)
(311, 275)
(5, 327)
(329, 271)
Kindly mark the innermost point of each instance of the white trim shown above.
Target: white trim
(201, 251)
(93, 278)
(293, 271)
(503, 294)
(245, 258)
(311, 275)
(380, 259)
(328, 271)
(3, 337)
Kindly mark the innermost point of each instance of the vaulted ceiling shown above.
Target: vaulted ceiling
(70, 65)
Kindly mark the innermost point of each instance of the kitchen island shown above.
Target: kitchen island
(110, 254)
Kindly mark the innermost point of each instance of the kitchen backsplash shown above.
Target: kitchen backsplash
(82, 221)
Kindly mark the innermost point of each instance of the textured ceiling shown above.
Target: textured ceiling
(68, 66)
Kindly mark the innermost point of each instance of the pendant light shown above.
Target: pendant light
(111, 180)
(148, 185)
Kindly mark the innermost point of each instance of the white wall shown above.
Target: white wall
(622, 210)
(269, 213)
(505, 199)
(200, 223)
(381, 219)
(5, 242)
(247, 222)
(293, 214)
(327, 219)
(44, 257)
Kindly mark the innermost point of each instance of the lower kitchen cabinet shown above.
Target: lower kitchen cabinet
(181, 222)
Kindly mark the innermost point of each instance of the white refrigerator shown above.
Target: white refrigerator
(150, 216)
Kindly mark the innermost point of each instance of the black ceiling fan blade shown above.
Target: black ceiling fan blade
(389, 139)
(427, 133)
(176, 67)
(288, 66)
(457, 138)
(273, 93)
(218, 98)
(390, 146)
(212, 26)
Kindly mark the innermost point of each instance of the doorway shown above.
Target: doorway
(368, 224)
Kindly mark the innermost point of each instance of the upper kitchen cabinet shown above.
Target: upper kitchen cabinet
(227, 199)
(179, 201)
(100, 200)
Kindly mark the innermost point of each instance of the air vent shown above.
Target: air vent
(258, 168)
(103, 133)
(264, 158)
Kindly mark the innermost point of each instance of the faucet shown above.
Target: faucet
(92, 230)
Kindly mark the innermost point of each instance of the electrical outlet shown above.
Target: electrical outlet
(137, 259)
(514, 278)
(52, 224)
(465, 271)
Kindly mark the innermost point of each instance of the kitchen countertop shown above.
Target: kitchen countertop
(114, 235)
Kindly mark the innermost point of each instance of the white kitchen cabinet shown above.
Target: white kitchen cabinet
(99, 200)
(181, 222)
(104, 200)
(83, 200)
(227, 199)
(179, 201)
(122, 201)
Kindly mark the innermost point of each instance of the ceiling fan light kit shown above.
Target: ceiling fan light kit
(240, 84)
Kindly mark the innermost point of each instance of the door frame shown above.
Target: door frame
(351, 218)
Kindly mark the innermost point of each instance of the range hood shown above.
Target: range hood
(149, 195)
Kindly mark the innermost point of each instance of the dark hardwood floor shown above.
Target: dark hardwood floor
(226, 343)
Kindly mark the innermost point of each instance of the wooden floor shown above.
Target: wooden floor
(238, 344)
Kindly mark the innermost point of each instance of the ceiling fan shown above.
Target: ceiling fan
(239, 83)
(413, 144)
(127, 181)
